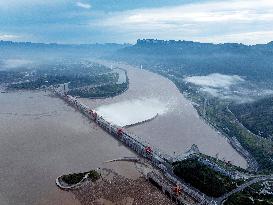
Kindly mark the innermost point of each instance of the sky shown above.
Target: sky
(125, 21)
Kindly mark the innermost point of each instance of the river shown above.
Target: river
(41, 138)
(177, 125)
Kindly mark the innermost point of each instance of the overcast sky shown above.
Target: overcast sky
(89, 21)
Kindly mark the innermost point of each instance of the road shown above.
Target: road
(243, 186)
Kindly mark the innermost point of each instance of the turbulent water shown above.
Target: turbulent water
(41, 138)
(177, 126)
(132, 111)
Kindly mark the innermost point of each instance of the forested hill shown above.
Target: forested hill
(192, 58)
(256, 116)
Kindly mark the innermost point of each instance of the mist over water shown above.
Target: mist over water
(215, 80)
(14, 63)
(229, 87)
(132, 111)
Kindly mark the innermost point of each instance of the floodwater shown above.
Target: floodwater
(175, 129)
(41, 138)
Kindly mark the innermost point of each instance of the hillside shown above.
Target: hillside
(256, 116)
(194, 58)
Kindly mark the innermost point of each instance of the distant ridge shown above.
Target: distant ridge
(26, 44)
(191, 58)
(29, 49)
(184, 42)
(139, 42)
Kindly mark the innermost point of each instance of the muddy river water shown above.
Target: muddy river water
(177, 125)
(41, 137)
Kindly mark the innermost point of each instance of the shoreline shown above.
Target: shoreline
(114, 188)
(239, 149)
(235, 144)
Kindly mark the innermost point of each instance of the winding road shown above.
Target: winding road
(221, 199)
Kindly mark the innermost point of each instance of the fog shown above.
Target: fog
(14, 63)
(215, 80)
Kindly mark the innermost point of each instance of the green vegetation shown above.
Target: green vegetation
(224, 165)
(10, 76)
(84, 78)
(204, 178)
(219, 116)
(75, 178)
(250, 196)
(178, 59)
(75, 81)
(261, 149)
(109, 90)
(71, 68)
(256, 116)
(94, 175)
(194, 58)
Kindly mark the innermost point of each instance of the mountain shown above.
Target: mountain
(194, 58)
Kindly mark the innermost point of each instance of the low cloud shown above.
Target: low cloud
(83, 5)
(215, 80)
(12, 4)
(8, 37)
(229, 87)
(15, 63)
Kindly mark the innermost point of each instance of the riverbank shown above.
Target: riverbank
(114, 189)
(102, 91)
(215, 122)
